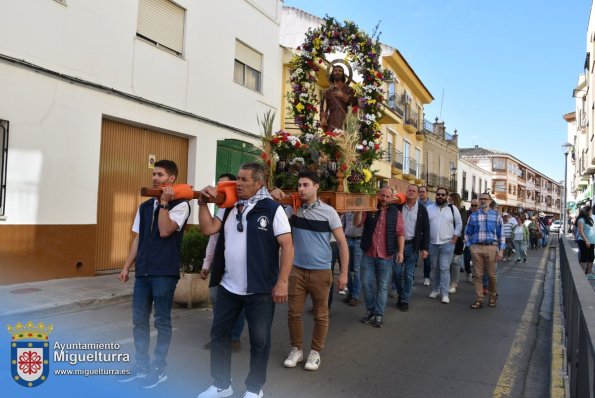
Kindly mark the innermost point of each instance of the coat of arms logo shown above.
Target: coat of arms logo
(29, 353)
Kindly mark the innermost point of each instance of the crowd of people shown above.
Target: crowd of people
(261, 254)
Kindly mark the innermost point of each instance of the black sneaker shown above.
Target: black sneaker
(156, 377)
(377, 323)
(399, 303)
(518, 260)
(136, 374)
(404, 307)
(525, 260)
(368, 317)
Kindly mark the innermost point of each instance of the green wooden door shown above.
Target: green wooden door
(231, 154)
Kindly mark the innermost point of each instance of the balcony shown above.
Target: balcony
(409, 168)
(411, 120)
(395, 104)
(420, 174)
(433, 180)
(397, 165)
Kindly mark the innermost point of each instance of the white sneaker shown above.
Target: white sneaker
(445, 300)
(313, 361)
(295, 356)
(214, 392)
(343, 292)
(426, 281)
(249, 394)
(452, 289)
(470, 278)
(433, 295)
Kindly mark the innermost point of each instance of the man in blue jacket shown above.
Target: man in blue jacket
(159, 225)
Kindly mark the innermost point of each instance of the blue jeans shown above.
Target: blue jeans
(355, 259)
(403, 273)
(238, 326)
(376, 273)
(260, 310)
(157, 291)
(441, 258)
(427, 266)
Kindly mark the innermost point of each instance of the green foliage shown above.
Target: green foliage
(194, 246)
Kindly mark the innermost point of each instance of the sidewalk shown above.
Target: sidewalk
(63, 295)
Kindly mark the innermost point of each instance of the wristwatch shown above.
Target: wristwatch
(165, 206)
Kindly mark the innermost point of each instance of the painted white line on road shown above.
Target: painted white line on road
(511, 369)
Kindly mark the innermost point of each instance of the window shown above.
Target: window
(418, 170)
(406, 146)
(247, 68)
(500, 186)
(161, 22)
(498, 164)
(3, 158)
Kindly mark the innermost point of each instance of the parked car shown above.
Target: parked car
(556, 225)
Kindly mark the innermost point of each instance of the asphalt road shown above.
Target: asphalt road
(434, 350)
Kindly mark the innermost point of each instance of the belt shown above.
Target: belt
(486, 243)
(354, 237)
(409, 241)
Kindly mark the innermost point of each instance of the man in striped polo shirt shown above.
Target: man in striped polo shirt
(311, 274)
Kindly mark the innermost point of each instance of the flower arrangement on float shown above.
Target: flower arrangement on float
(342, 158)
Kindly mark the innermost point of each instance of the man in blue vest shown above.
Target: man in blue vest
(249, 275)
(159, 225)
(383, 236)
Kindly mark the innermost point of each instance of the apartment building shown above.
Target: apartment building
(442, 155)
(516, 187)
(472, 180)
(93, 93)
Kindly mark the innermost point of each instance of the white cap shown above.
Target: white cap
(504, 214)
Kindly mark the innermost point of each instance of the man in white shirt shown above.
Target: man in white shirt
(445, 228)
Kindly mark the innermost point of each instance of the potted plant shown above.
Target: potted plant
(191, 288)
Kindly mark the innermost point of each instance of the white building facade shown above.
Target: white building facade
(92, 88)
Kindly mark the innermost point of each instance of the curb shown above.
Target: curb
(558, 372)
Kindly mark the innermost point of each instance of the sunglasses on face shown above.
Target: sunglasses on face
(473, 205)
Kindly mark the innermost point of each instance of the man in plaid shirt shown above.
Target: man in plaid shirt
(485, 238)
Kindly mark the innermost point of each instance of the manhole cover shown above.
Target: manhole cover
(26, 290)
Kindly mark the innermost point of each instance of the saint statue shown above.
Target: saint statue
(335, 101)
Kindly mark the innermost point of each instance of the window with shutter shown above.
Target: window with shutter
(161, 22)
(247, 67)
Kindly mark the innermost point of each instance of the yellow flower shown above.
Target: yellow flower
(317, 42)
(367, 174)
(371, 101)
(299, 107)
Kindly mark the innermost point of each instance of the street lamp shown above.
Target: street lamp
(566, 148)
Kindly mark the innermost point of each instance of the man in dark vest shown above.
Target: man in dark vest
(249, 275)
(417, 242)
(159, 225)
(383, 236)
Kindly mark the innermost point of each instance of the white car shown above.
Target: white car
(556, 225)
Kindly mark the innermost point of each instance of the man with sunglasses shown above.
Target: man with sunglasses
(249, 273)
(485, 237)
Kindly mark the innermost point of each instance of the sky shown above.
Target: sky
(501, 72)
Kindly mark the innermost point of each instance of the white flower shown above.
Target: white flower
(359, 147)
(365, 142)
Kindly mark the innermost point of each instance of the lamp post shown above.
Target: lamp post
(566, 148)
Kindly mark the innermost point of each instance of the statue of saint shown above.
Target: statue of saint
(335, 100)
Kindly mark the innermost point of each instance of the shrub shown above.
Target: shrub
(194, 246)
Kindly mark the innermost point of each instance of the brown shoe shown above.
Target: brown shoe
(353, 302)
(236, 345)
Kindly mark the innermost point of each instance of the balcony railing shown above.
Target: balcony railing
(421, 171)
(395, 103)
(428, 127)
(433, 180)
(411, 117)
(398, 161)
(411, 165)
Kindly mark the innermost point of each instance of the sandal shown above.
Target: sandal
(477, 305)
(492, 302)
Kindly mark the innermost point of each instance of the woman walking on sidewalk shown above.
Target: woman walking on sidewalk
(520, 236)
(586, 240)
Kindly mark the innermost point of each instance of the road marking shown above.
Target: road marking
(511, 367)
